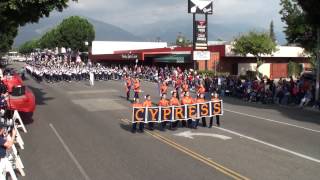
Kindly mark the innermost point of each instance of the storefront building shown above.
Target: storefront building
(222, 59)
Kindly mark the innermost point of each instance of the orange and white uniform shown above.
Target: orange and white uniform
(163, 103)
(128, 83)
(201, 89)
(187, 100)
(147, 103)
(136, 86)
(200, 100)
(137, 105)
(174, 101)
(215, 99)
(185, 87)
(163, 88)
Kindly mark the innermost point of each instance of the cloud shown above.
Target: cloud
(131, 14)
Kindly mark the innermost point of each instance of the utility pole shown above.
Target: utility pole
(318, 64)
(206, 61)
(194, 40)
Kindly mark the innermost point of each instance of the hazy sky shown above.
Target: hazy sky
(130, 14)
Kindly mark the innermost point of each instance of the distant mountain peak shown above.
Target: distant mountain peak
(104, 31)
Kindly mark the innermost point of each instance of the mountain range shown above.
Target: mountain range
(164, 31)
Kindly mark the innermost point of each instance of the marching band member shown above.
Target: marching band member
(185, 87)
(185, 101)
(141, 124)
(136, 87)
(201, 89)
(178, 86)
(215, 98)
(91, 75)
(201, 99)
(128, 85)
(163, 88)
(174, 101)
(163, 103)
(148, 103)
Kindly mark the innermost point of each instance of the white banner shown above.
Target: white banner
(201, 55)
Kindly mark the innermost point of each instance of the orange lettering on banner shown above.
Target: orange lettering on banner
(179, 113)
(204, 110)
(166, 114)
(192, 111)
(217, 108)
(137, 114)
(153, 113)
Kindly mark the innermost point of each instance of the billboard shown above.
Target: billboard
(201, 55)
(200, 6)
(201, 39)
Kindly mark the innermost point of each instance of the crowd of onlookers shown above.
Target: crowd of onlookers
(299, 91)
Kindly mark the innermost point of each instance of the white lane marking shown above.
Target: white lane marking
(270, 145)
(85, 175)
(271, 120)
(189, 134)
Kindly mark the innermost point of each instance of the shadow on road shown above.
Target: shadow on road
(126, 126)
(27, 117)
(40, 96)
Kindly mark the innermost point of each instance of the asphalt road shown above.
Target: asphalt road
(82, 132)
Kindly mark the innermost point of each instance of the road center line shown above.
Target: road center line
(270, 145)
(271, 120)
(84, 174)
(209, 162)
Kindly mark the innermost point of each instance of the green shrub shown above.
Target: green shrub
(294, 69)
(212, 73)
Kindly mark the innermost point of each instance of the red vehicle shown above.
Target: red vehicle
(20, 97)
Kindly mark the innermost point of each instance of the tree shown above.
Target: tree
(311, 9)
(294, 69)
(255, 43)
(15, 13)
(29, 46)
(298, 30)
(303, 25)
(50, 39)
(74, 32)
(312, 13)
(182, 41)
(7, 39)
(272, 34)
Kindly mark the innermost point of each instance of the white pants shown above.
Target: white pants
(2, 169)
(91, 79)
(304, 101)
